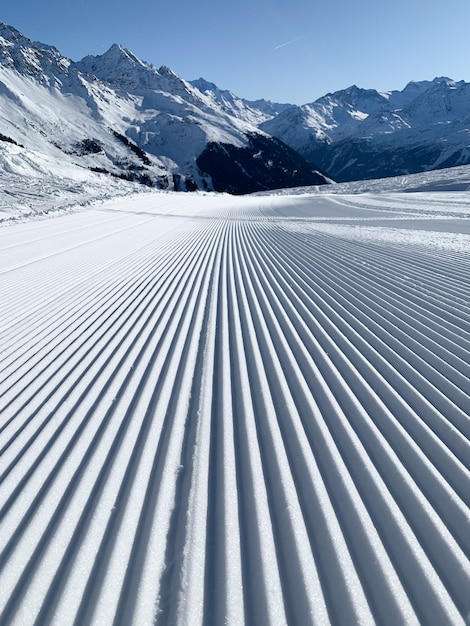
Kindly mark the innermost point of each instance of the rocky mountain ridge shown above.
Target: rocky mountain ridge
(116, 114)
(358, 134)
(119, 115)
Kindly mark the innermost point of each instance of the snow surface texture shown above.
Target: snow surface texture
(34, 185)
(237, 410)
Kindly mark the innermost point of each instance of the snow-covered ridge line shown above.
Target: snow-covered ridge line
(220, 410)
(357, 134)
(117, 115)
(451, 179)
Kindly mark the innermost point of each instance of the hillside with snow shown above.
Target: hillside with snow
(358, 134)
(117, 115)
(255, 112)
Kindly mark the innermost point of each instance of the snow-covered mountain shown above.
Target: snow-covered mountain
(357, 134)
(117, 114)
(252, 111)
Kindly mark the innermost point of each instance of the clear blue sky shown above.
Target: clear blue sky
(285, 51)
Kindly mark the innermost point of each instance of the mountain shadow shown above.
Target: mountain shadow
(265, 164)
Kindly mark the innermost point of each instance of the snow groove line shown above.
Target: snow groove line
(357, 312)
(404, 287)
(74, 247)
(378, 582)
(306, 593)
(391, 311)
(82, 268)
(289, 530)
(101, 562)
(56, 222)
(409, 335)
(160, 476)
(341, 340)
(180, 270)
(74, 288)
(189, 588)
(384, 292)
(67, 230)
(366, 260)
(102, 332)
(247, 426)
(79, 316)
(224, 589)
(260, 569)
(106, 468)
(456, 581)
(330, 293)
(418, 263)
(139, 290)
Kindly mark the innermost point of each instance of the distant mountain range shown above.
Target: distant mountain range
(118, 115)
(358, 134)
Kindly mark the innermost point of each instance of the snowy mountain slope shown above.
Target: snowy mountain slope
(253, 111)
(115, 113)
(50, 108)
(181, 122)
(35, 185)
(359, 134)
(221, 410)
(451, 179)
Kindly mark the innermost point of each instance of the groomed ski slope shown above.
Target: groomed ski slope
(222, 410)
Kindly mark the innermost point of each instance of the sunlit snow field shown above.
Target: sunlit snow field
(222, 409)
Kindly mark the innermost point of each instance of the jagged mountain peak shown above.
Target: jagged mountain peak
(353, 91)
(252, 111)
(119, 66)
(444, 99)
(443, 83)
(118, 115)
(120, 55)
(361, 133)
(164, 70)
(205, 85)
(10, 33)
(445, 80)
(355, 98)
(42, 62)
(170, 82)
(11, 39)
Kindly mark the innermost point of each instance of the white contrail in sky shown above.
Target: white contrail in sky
(282, 45)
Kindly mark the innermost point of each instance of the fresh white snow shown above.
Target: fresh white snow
(222, 409)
